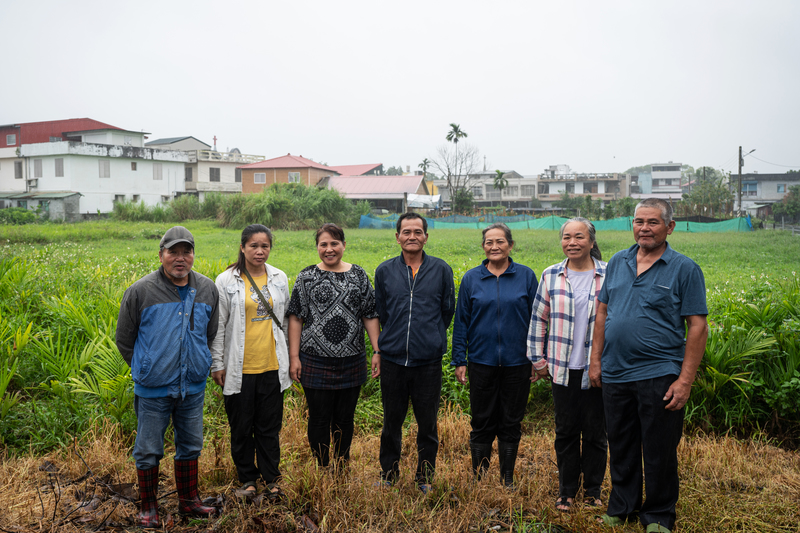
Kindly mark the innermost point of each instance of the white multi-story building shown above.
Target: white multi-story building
(559, 179)
(208, 170)
(103, 163)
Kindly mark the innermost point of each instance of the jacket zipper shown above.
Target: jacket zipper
(497, 284)
(410, 306)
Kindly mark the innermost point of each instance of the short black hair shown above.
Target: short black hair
(332, 229)
(411, 216)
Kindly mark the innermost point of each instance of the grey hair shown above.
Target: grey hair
(500, 226)
(595, 252)
(658, 203)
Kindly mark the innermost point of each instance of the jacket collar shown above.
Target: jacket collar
(512, 268)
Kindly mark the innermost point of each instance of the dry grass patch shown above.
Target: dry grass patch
(727, 485)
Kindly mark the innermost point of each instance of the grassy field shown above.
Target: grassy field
(68, 279)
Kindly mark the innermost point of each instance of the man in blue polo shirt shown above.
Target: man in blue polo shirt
(650, 335)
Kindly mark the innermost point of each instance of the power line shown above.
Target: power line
(775, 164)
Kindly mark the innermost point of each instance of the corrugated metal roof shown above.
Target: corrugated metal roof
(37, 195)
(376, 186)
(288, 161)
(170, 140)
(40, 132)
(354, 170)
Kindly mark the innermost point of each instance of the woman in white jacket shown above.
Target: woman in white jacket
(251, 359)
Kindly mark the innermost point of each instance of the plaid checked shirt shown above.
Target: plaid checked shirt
(553, 318)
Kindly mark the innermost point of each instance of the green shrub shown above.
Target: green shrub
(17, 215)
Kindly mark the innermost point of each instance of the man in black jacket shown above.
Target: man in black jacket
(415, 300)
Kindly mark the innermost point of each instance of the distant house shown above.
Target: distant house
(284, 169)
(382, 192)
(208, 170)
(104, 163)
(605, 186)
(59, 205)
(762, 190)
(359, 170)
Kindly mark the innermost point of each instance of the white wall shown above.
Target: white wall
(82, 174)
(7, 181)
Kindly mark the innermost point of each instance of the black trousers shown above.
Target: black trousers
(331, 412)
(639, 427)
(498, 396)
(255, 416)
(581, 445)
(423, 386)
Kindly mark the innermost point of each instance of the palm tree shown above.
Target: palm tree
(454, 135)
(424, 166)
(500, 183)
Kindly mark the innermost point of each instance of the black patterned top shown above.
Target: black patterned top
(331, 305)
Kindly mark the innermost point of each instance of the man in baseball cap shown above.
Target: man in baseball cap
(167, 321)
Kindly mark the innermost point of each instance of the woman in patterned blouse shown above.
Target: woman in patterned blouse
(332, 303)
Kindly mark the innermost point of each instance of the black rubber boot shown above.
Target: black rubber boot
(481, 455)
(507, 452)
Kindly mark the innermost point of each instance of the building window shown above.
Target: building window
(44, 205)
(119, 198)
(133, 165)
(570, 188)
(590, 187)
(544, 188)
(294, 177)
(17, 170)
(750, 188)
(260, 177)
(781, 187)
(188, 173)
(60, 167)
(238, 175)
(22, 203)
(511, 191)
(105, 168)
(213, 174)
(527, 190)
(477, 192)
(135, 198)
(164, 199)
(37, 168)
(11, 140)
(492, 193)
(157, 171)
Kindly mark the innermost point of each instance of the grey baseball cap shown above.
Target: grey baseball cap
(176, 234)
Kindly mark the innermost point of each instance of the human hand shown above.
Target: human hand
(542, 373)
(461, 374)
(295, 368)
(595, 374)
(219, 377)
(677, 395)
(376, 365)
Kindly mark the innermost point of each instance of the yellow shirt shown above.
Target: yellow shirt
(259, 341)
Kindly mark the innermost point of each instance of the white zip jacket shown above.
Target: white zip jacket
(227, 350)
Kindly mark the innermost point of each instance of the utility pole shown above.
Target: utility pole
(741, 164)
(740, 180)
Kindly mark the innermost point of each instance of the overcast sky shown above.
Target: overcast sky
(599, 85)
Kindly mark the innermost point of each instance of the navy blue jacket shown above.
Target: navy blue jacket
(414, 311)
(493, 316)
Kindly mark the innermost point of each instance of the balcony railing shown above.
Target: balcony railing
(225, 157)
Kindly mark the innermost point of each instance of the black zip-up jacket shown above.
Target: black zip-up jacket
(414, 311)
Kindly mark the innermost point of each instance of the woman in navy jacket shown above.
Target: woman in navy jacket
(490, 339)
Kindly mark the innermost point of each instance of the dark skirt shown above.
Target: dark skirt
(331, 373)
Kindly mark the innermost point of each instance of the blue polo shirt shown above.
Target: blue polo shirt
(646, 326)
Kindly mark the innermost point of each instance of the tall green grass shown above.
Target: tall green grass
(60, 288)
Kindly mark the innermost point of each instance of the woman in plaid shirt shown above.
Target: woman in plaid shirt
(559, 344)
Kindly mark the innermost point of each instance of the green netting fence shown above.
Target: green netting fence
(552, 222)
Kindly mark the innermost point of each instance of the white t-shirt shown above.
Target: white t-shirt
(581, 283)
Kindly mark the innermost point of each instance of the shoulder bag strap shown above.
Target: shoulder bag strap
(263, 300)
